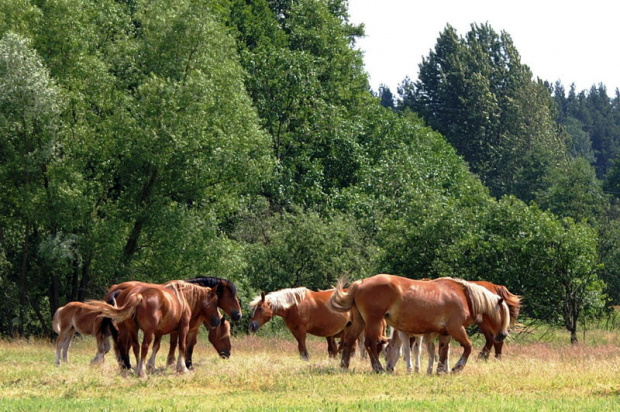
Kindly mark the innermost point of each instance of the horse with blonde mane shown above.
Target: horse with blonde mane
(304, 311)
(416, 307)
(487, 326)
(160, 310)
(83, 318)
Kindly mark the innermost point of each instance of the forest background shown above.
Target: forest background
(173, 139)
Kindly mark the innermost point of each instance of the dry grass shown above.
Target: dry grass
(267, 374)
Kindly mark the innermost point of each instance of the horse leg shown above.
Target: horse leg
(300, 336)
(332, 348)
(489, 338)
(498, 349)
(430, 348)
(183, 332)
(417, 346)
(192, 339)
(460, 335)
(351, 334)
(174, 338)
(372, 340)
(150, 366)
(146, 342)
(442, 366)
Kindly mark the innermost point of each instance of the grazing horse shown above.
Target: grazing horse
(219, 338)
(445, 306)
(83, 318)
(489, 328)
(304, 311)
(160, 310)
(227, 300)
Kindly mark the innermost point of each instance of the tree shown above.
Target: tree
(475, 91)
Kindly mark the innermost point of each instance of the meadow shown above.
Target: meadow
(539, 371)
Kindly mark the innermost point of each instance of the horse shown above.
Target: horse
(160, 310)
(486, 326)
(304, 311)
(227, 300)
(83, 318)
(218, 336)
(444, 305)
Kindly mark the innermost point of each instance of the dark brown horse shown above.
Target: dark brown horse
(489, 328)
(304, 311)
(227, 301)
(160, 310)
(83, 318)
(445, 306)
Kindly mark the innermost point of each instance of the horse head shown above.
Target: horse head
(228, 301)
(505, 320)
(220, 338)
(262, 313)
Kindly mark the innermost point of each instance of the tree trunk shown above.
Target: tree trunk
(21, 282)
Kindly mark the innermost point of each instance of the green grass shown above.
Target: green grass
(266, 374)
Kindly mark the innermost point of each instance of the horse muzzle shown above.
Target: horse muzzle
(225, 354)
(254, 326)
(235, 315)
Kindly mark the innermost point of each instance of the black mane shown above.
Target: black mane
(209, 281)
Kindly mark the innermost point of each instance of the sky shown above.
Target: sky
(570, 41)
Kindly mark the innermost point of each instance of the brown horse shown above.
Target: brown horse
(416, 307)
(160, 310)
(83, 318)
(304, 311)
(488, 327)
(227, 301)
(219, 338)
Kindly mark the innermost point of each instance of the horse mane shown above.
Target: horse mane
(211, 282)
(481, 300)
(193, 293)
(283, 299)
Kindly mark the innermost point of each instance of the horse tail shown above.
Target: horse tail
(118, 314)
(56, 320)
(342, 301)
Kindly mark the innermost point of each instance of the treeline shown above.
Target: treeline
(173, 139)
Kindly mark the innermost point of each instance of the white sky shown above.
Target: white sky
(571, 41)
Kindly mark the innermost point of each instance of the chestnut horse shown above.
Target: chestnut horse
(487, 327)
(304, 311)
(444, 305)
(83, 318)
(227, 301)
(160, 310)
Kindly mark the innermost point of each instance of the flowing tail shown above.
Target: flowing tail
(118, 314)
(341, 300)
(56, 320)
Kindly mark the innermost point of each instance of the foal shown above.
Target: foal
(83, 318)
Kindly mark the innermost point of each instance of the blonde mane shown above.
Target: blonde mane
(282, 299)
(484, 302)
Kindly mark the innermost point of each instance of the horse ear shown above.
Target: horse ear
(214, 289)
(262, 297)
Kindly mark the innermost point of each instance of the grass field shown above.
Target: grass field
(266, 374)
